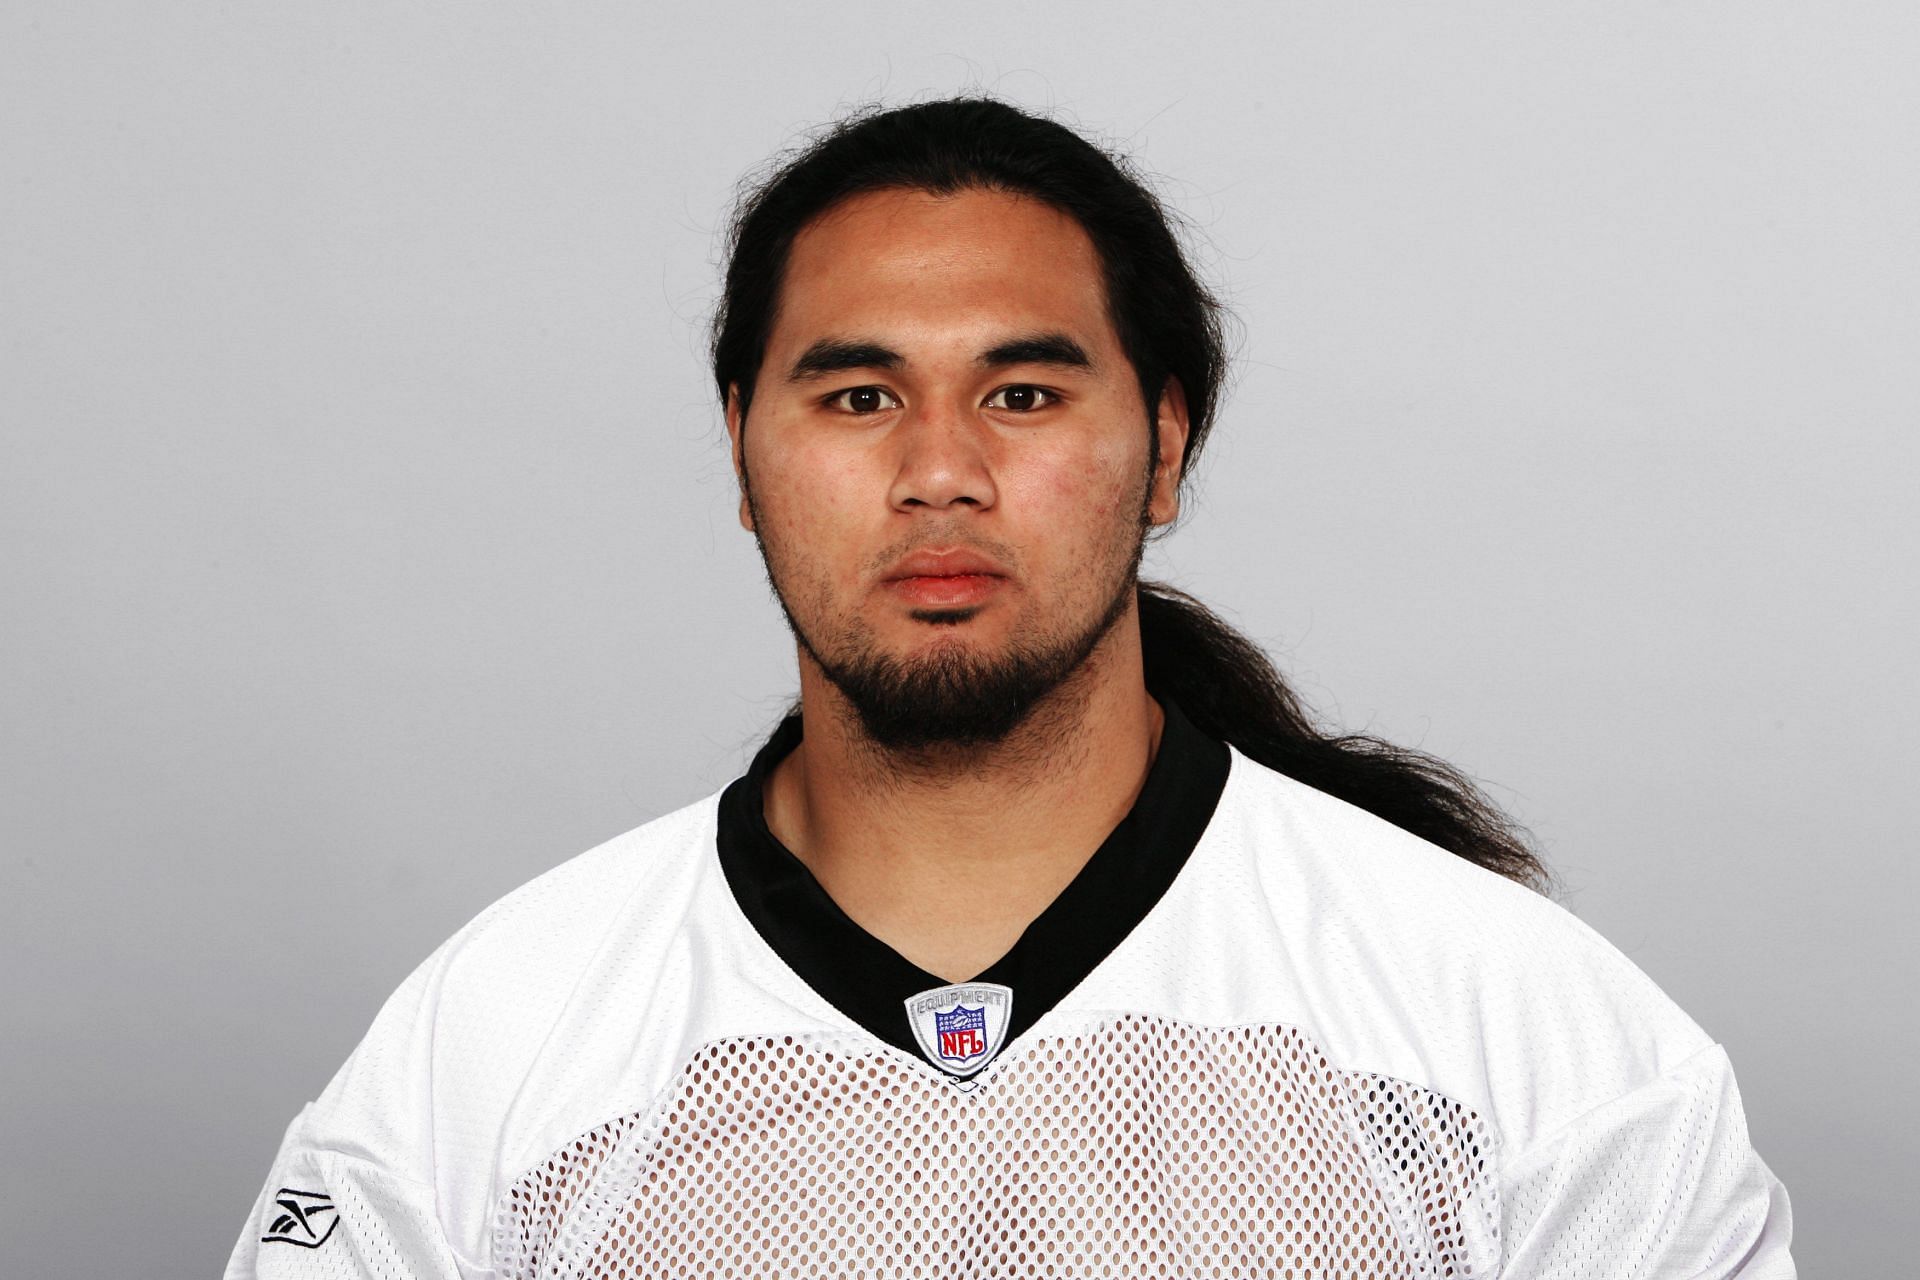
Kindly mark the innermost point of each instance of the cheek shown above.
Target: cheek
(813, 497)
(1103, 481)
(1078, 512)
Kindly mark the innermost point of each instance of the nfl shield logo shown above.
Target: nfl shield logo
(960, 1028)
(962, 1033)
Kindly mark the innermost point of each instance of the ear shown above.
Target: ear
(737, 443)
(1171, 426)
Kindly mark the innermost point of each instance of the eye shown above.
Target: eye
(863, 400)
(1021, 398)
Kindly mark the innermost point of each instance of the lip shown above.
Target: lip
(944, 564)
(945, 579)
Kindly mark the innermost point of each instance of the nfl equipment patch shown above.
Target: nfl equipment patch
(959, 1028)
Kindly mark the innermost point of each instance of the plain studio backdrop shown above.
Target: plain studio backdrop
(369, 538)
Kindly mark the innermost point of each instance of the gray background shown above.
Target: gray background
(369, 541)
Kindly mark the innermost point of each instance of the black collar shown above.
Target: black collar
(870, 982)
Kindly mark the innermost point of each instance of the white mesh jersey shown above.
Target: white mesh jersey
(1325, 1048)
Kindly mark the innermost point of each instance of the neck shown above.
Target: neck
(947, 856)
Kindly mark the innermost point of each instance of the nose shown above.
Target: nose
(944, 461)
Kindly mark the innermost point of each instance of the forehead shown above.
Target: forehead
(911, 260)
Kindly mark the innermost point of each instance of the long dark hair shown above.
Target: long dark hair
(1171, 327)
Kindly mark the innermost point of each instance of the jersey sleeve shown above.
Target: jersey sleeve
(325, 1215)
(351, 1194)
(1661, 1181)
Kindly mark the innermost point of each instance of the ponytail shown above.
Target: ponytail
(1230, 690)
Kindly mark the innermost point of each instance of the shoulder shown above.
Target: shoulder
(541, 933)
(456, 1038)
(1433, 966)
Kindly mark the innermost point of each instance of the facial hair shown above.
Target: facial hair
(950, 698)
(953, 697)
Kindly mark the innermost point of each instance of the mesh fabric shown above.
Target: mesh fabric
(1141, 1147)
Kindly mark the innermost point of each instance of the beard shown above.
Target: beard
(953, 697)
(950, 697)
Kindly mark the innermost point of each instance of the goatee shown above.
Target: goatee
(951, 697)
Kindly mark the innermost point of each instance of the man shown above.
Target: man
(1049, 937)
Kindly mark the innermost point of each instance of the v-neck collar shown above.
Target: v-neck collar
(870, 982)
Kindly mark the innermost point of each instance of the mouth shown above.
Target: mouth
(945, 579)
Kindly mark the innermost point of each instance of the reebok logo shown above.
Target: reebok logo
(305, 1218)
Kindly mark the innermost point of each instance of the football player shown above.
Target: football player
(1048, 935)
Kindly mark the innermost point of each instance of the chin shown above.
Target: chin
(949, 692)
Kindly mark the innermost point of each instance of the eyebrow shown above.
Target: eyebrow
(1039, 348)
(836, 355)
(833, 355)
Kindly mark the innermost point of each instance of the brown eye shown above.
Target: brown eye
(864, 400)
(1020, 399)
